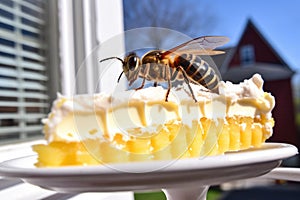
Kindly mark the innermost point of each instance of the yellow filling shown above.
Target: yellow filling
(172, 141)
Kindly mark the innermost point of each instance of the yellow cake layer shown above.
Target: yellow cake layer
(172, 141)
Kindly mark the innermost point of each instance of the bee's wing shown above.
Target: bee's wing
(201, 46)
(208, 52)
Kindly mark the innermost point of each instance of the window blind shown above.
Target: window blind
(23, 78)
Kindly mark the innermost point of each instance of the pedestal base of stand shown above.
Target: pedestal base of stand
(193, 192)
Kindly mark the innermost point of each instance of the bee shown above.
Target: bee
(182, 62)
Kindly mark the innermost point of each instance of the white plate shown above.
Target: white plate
(151, 175)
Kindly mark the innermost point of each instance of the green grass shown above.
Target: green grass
(150, 196)
(213, 194)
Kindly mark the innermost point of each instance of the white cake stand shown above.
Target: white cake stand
(181, 179)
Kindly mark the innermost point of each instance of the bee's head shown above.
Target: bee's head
(131, 67)
(130, 64)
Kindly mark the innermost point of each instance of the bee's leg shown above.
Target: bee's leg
(186, 79)
(143, 84)
(168, 76)
(144, 77)
(155, 84)
(169, 89)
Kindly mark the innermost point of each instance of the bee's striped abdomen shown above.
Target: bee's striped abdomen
(199, 71)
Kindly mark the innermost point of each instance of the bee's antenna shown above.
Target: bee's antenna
(120, 76)
(110, 58)
(105, 59)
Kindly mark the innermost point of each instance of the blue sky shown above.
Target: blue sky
(278, 20)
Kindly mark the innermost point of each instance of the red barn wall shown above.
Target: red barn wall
(283, 113)
(263, 51)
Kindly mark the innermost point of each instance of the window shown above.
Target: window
(247, 54)
(23, 68)
(42, 46)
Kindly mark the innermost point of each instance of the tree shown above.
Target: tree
(191, 18)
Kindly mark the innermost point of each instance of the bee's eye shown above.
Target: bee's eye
(132, 63)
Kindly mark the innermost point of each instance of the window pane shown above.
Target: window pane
(247, 54)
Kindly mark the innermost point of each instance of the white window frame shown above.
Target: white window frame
(84, 25)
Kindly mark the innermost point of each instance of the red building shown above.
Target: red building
(254, 54)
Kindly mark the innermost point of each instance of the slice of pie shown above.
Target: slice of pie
(141, 126)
